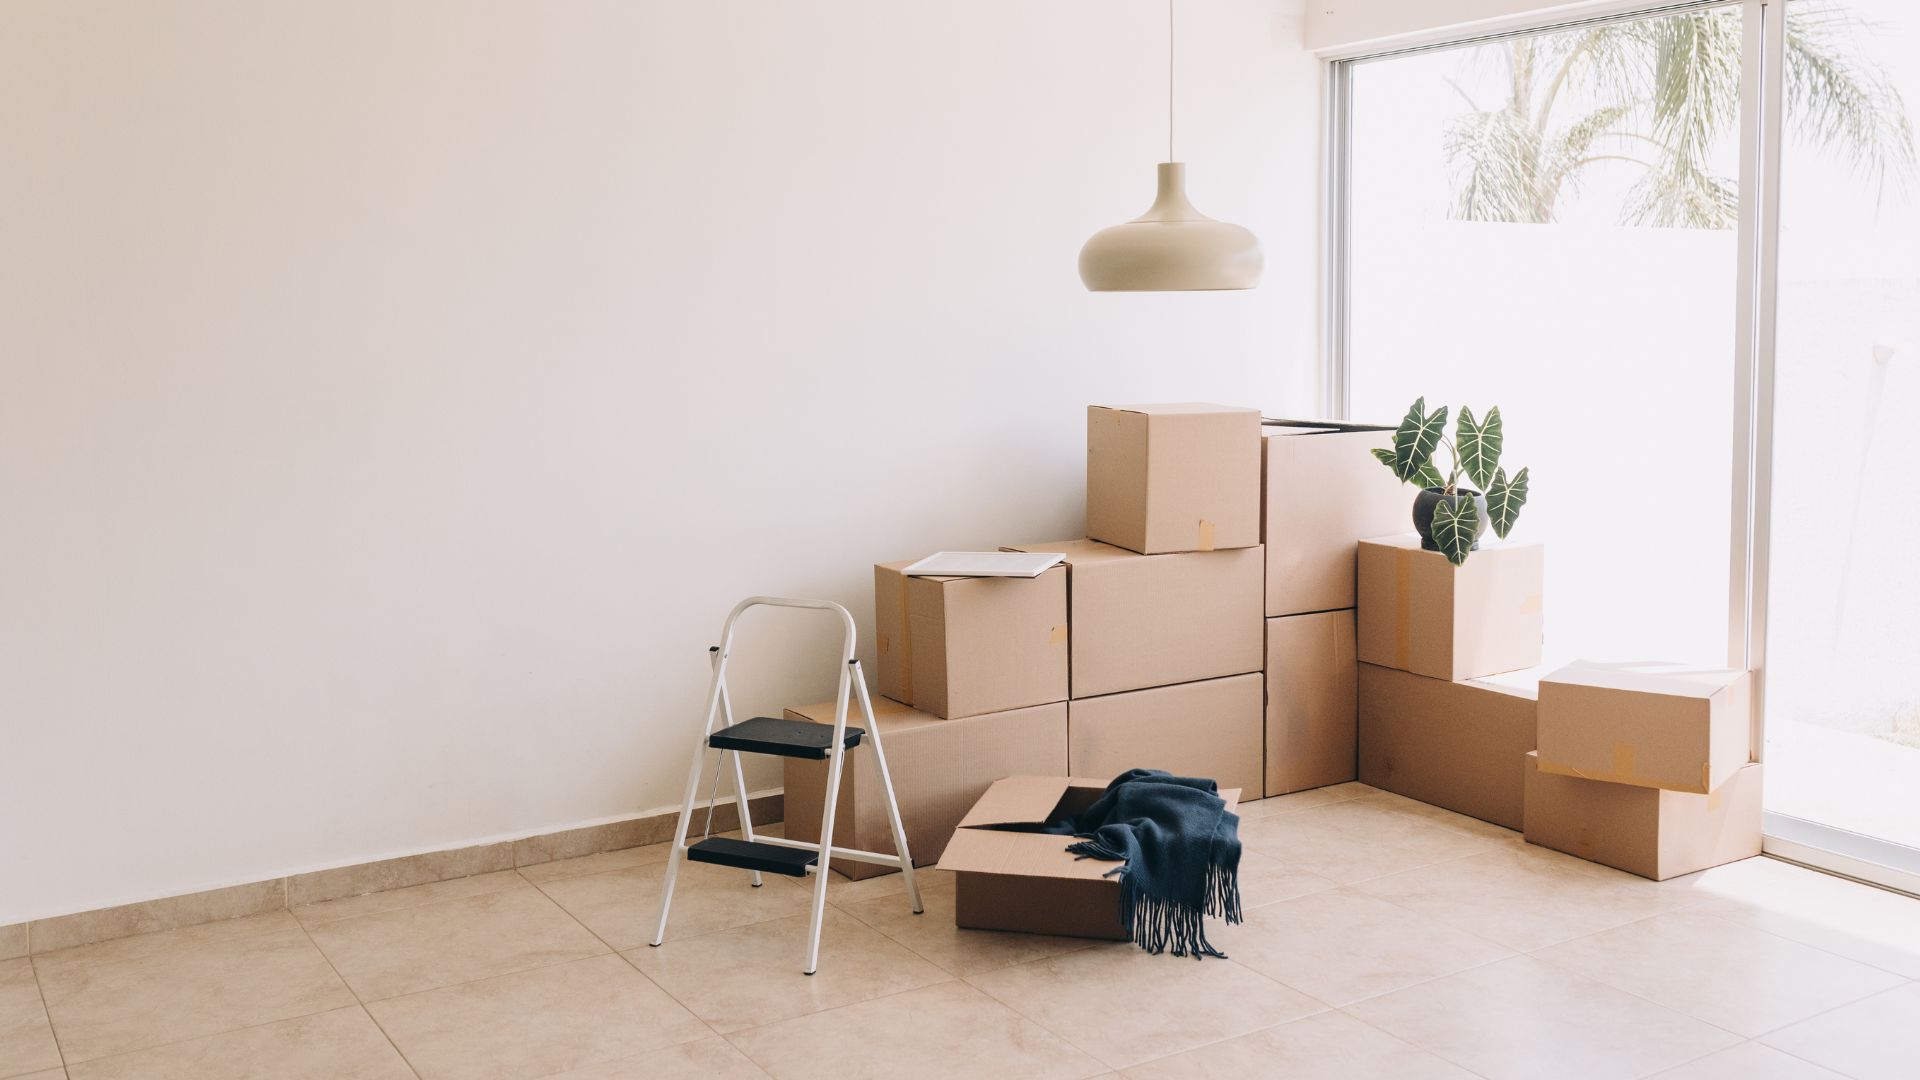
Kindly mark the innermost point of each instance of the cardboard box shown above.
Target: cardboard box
(1164, 478)
(1647, 724)
(1210, 729)
(1155, 620)
(1458, 745)
(1322, 492)
(1311, 702)
(1420, 613)
(939, 768)
(960, 646)
(1656, 834)
(1028, 882)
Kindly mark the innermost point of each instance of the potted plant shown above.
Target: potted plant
(1450, 517)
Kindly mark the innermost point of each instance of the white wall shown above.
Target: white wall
(1349, 26)
(395, 396)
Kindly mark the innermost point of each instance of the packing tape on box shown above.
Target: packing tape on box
(906, 644)
(1402, 607)
(1206, 535)
(1058, 636)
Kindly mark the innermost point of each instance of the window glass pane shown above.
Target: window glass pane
(1843, 655)
(1545, 224)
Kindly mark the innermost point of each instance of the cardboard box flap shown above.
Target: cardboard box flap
(1648, 677)
(1179, 408)
(1027, 799)
(1079, 552)
(1270, 426)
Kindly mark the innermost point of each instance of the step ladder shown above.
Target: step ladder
(783, 738)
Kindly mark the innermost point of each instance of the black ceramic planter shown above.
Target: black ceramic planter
(1429, 498)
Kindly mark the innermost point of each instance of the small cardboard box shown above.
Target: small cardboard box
(1322, 492)
(1155, 620)
(1647, 724)
(1420, 613)
(939, 768)
(1164, 478)
(1210, 728)
(963, 646)
(1458, 745)
(1028, 882)
(1656, 834)
(1311, 677)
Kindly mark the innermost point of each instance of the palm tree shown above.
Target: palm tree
(1658, 94)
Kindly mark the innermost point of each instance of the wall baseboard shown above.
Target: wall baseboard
(278, 894)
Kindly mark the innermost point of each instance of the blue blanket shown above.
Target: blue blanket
(1179, 855)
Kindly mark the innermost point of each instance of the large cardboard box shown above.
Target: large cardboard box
(1210, 728)
(1651, 725)
(1311, 688)
(1420, 613)
(1155, 620)
(960, 646)
(1656, 834)
(1166, 478)
(1322, 492)
(1458, 745)
(939, 768)
(1029, 882)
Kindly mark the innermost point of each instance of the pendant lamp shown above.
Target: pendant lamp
(1172, 247)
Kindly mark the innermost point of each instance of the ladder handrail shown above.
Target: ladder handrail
(846, 618)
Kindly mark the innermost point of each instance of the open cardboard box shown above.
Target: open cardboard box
(1028, 882)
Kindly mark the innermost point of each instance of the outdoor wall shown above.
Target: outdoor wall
(394, 397)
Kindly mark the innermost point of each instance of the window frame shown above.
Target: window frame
(1756, 281)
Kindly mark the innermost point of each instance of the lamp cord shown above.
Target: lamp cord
(1169, 80)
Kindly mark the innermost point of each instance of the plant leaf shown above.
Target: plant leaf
(1429, 477)
(1504, 500)
(1415, 439)
(1478, 446)
(1455, 521)
(1386, 458)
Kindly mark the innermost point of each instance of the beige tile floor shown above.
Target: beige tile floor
(1383, 938)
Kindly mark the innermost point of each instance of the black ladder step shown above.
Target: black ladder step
(749, 855)
(785, 738)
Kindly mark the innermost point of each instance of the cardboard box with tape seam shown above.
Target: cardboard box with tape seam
(1322, 492)
(1029, 882)
(1422, 614)
(1155, 620)
(939, 768)
(964, 646)
(1647, 831)
(1210, 728)
(1458, 745)
(1179, 477)
(1312, 718)
(1647, 724)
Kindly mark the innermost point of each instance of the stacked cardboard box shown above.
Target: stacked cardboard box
(1429, 634)
(1645, 767)
(1321, 493)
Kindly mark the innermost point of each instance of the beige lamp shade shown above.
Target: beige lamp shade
(1171, 248)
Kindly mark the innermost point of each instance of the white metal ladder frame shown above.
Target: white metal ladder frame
(719, 707)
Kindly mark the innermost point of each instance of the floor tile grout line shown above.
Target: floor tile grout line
(1041, 1024)
(1818, 948)
(47, 1011)
(1833, 1009)
(1422, 1047)
(364, 1011)
(1808, 1060)
(628, 960)
(1683, 1012)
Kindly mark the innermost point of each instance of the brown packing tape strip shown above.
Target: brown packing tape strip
(1402, 607)
(1058, 636)
(906, 641)
(1206, 535)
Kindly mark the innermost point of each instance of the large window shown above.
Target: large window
(1681, 251)
(1843, 627)
(1545, 223)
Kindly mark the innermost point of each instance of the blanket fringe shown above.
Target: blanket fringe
(1159, 924)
